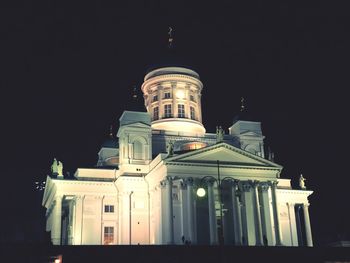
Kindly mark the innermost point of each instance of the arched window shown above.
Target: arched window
(138, 151)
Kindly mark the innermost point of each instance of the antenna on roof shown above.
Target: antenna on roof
(170, 38)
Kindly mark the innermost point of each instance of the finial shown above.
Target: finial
(242, 104)
(170, 38)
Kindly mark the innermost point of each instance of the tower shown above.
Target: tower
(134, 142)
(173, 99)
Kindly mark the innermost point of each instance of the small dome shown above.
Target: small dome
(110, 143)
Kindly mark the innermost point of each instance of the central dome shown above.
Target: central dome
(173, 99)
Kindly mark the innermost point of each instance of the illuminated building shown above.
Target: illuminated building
(143, 188)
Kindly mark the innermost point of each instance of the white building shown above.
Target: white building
(140, 192)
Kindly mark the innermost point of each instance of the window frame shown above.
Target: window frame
(181, 111)
(156, 113)
(108, 235)
(192, 113)
(109, 208)
(167, 95)
(155, 98)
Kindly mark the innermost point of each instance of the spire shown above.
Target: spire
(134, 93)
(242, 104)
(111, 131)
(170, 37)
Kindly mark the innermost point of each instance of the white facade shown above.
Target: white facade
(143, 193)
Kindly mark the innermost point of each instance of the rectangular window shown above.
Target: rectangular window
(167, 95)
(167, 111)
(155, 98)
(192, 98)
(181, 111)
(109, 208)
(193, 113)
(108, 235)
(155, 113)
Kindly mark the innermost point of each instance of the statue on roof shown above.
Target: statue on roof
(57, 168)
(302, 182)
(54, 170)
(170, 148)
(219, 134)
(60, 169)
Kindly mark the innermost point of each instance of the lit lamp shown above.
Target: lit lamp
(201, 192)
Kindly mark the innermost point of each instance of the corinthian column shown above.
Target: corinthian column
(307, 225)
(56, 222)
(276, 214)
(212, 214)
(167, 211)
(266, 216)
(248, 221)
(237, 220)
(190, 210)
(259, 236)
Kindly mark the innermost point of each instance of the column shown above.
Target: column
(266, 216)
(199, 107)
(187, 101)
(56, 221)
(237, 220)
(212, 214)
(160, 102)
(190, 210)
(174, 100)
(276, 214)
(248, 214)
(259, 236)
(292, 224)
(307, 225)
(167, 211)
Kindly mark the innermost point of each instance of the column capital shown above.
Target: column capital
(306, 205)
(264, 187)
(210, 182)
(245, 185)
(167, 180)
(254, 183)
(188, 181)
(273, 184)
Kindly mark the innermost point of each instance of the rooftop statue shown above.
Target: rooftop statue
(219, 134)
(302, 182)
(57, 168)
(170, 148)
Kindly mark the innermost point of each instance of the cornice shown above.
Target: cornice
(230, 147)
(183, 163)
(169, 77)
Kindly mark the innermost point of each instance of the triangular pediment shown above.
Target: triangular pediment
(225, 153)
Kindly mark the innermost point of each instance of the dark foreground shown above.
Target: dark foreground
(171, 254)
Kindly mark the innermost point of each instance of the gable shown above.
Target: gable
(224, 153)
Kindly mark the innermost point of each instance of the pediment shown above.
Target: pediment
(250, 134)
(134, 125)
(225, 153)
(137, 125)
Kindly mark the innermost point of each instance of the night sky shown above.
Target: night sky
(67, 72)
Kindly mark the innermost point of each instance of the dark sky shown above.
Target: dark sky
(68, 70)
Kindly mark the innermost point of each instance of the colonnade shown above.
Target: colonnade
(254, 208)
